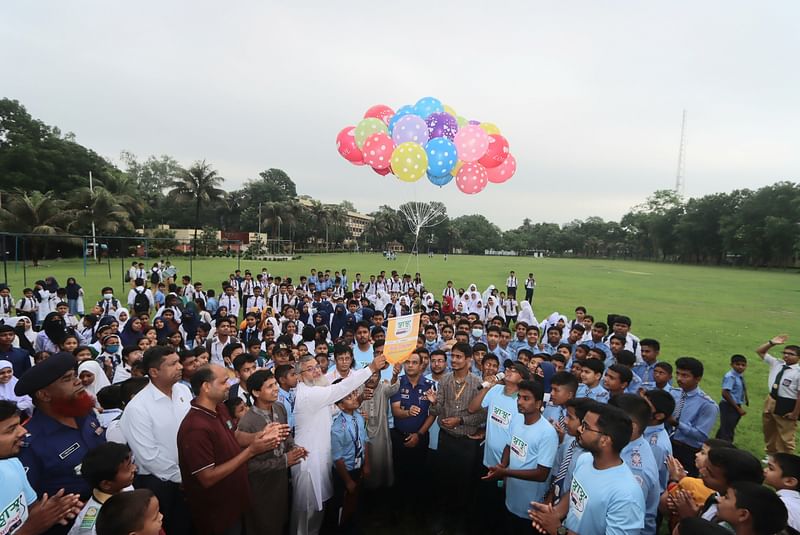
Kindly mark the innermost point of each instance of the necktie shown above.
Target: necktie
(681, 403)
(777, 384)
(563, 468)
(561, 421)
(248, 399)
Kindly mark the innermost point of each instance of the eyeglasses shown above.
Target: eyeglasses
(585, 427)
(312, 368)
(789, 354)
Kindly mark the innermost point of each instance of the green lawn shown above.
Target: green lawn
(709, 313)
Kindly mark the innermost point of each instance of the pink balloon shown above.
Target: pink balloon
(472, 141)
(377, 150)
(382, 172)
(380, 111)
(471, 178)
(504, 171)
(346, 145)
(496, 153)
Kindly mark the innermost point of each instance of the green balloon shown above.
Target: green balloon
(368, 127)
(461, 121)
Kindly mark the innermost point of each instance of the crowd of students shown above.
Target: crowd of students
(269, 408)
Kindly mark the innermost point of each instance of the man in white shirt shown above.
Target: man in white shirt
(530, 284)
(139, 288)
(150, 426)
(221, 339)
(230, 301)
(511, 284)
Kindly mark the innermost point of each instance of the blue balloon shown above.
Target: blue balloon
(427, 105)
(408, 109)
(440, 180)
(442, 156)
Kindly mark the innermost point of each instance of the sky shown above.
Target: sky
(589, 94)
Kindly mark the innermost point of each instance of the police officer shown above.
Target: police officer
(694, 415)
(62, 430)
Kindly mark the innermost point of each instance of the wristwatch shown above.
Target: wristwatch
(562, 530)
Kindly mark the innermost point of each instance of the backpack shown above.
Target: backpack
(141, 304)
(155, 278)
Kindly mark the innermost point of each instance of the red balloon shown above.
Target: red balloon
(471, 178)
(378, 150)
(380, 111)
(496, 153)
(382, 172)
(346, 145)
(504, 171)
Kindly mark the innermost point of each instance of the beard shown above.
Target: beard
(319, 381)
(75, 407)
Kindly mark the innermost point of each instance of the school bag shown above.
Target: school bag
(141, 304)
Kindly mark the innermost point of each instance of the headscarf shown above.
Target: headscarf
(526, 314)
(338, 321)
(304, 313)
(547, 370)
(162, 332)
(24, 403)
(367, 314)
(487, 292)
(121, 323)
(129, 337)
(51, 284)
(55, 327)
(493, 309)
(100, 379)
(189, 322)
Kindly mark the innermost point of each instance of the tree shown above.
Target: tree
(279, 184)
(198, 184)
(152, 176)
(163, 242)
(478, 233)
(35, 213)
(102, 208)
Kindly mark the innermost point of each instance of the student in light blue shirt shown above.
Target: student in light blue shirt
(528, 457)
(734, 398)
(662, 404)
(605, 498)
(638, 455)
(645, 368)
(349, 452)
(563, 387)
(591, 375)
(287, 380)
(694, 416)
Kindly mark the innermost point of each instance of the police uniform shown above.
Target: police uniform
(53, 453)
(696, 414)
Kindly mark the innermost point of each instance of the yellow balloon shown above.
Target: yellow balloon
(490, 128)
(461, 121)
(454, 172)
(409, 161)
(449, 110)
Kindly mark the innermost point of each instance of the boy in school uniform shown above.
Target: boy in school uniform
(350, 459)
(783, 474)
(563, 386)
(734, 398)
(28, 306)
(591, 376)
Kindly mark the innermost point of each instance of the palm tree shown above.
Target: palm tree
(109, 215)
(125, 193)
(35, 213)
(197, 184)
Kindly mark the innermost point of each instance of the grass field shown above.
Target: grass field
(709, 313)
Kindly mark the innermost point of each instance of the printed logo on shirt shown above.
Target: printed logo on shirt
(519, 448)
(13, 515)
(653, 440)
(89, 518)
(578, 498)
(501, 417)
(787, 382)
(636, 459)
(69, 451)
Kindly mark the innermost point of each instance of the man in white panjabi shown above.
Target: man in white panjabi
(314, 399)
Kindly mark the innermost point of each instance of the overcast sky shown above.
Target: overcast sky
(588, 93)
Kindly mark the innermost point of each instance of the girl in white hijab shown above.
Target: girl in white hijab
(93, 378)
(493, 309)
(526, 314)
(29, 334)
(7, 384)
(123, 316)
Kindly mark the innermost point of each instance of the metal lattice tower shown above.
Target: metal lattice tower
(680, 183)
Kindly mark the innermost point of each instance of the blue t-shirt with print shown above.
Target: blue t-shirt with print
(531, 446)
(501, 411)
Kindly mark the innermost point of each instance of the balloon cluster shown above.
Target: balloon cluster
(428, 138)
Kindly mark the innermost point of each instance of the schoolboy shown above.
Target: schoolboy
(734, 398)
(591, 375)
(783, 474)
(350, 457)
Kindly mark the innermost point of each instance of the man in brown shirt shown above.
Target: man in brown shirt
(213, 465)
(459, 446)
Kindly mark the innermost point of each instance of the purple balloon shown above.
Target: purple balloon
(410, 128)
(442, 125)
(473, 121)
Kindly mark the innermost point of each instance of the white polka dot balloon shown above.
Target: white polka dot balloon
(472, 178)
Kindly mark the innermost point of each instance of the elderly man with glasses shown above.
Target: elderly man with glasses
(312, 478)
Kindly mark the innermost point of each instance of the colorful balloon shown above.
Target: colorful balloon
(382, 172)
(440, 180)
(442, 156)
(402, 112)
(410, 128)
(490, 128)
(346, 145)
(442, 125)
(472, 178)
(462, 122)
(367, 127)
(496, 153)
(409, 161)
(504, 171)
(378, 150)
(380, 111)
(427, 105)
(457, 168)
(472, 141)
(448, 109)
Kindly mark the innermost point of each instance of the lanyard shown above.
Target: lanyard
(354, 436)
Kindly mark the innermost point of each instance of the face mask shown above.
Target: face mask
(113, 348)
(477, 333)
(108, 296)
